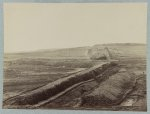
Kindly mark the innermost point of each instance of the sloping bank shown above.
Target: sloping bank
(112, 91)
(51, 89)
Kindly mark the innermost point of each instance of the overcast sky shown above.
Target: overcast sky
(43, 26)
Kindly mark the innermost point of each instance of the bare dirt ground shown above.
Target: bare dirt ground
(135, 101)
(25, 74)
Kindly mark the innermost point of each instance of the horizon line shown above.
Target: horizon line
(54, 49)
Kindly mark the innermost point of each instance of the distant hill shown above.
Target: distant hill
(118, 49)
(121, 44)
(78, 52)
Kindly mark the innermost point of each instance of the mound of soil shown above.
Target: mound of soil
(110, 92)
(51, 89)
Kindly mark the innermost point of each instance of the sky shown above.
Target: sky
(33, 26)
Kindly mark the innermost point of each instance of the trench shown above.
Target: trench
(71, 98)
(58, 87)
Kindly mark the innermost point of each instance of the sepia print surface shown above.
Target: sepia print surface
(75, 56)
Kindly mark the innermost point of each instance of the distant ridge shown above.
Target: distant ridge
(121, 44)
(81, 52)
(74, 48)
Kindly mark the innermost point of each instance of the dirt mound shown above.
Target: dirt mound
(51, 89)
(111, 91)
(97, 53)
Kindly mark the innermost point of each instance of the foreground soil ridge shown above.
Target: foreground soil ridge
(53, 88)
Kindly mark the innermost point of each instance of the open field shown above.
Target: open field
(27, 71)
(26, 74)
